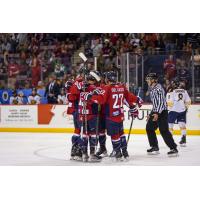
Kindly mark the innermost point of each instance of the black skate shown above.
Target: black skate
(125, 154)
(118, 156)
(102, 151)
(73, 152)
(85, 157)
(183, 141)
(112, 154)
(173, 153)
(94, 158)
(153, 151)
(78, 154)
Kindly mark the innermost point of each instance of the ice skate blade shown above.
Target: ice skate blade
(173, 155)
(94, 161)
(126, 159)
(72, 157)
(76, 158)
(119, 159)
(104, 155)
(183, 145)
(153, 153)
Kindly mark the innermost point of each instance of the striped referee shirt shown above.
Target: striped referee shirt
(157, 95)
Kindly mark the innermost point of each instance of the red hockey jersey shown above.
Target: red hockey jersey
(113, 96)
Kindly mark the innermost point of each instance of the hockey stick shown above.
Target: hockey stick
(129, 133)
(83, 57)
(97, 127)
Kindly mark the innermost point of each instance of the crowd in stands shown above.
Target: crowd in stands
(29, 60)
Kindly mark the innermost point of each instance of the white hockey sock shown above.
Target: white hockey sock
(183, 132)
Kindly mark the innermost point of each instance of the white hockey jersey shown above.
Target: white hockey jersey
(178, 100)
(34, 99)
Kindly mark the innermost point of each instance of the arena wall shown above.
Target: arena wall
(54, 119)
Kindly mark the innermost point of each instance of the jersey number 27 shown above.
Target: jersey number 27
(118, 100)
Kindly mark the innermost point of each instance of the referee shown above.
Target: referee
(158, 117)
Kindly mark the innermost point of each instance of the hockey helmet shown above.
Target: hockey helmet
(111, 76)
(94, 76)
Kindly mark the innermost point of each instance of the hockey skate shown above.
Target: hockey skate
(94, 158)
(113, 153)
(102, 151)
(78, 154)
(119, 156)
(183, 141)
(73, 152)
(173, 153)
(125, 154)
(153, 151)
(85, 157)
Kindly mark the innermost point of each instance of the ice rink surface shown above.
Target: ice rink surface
(42, 149)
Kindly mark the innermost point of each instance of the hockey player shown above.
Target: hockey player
(178, 102)
(113, 96)
(73, 90)
(88, 113)
(34, 98)
(62, 97)
(102, 151)
(73, 94)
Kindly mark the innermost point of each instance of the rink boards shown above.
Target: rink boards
(54, 118)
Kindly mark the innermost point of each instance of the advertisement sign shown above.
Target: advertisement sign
(55, 117)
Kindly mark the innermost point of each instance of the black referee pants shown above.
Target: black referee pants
(162, 124)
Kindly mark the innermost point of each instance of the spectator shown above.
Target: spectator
(167, 85)
(192, 38)
(13, 71)
(40, 85)
(34, 98)
(59, 70)
(3, 75)
(96, 47)
(62, 97)
(15, 99)
(170, 41)
(52, 90)
(183, 73)
(196, 60)
(35, 71)
(170, 68)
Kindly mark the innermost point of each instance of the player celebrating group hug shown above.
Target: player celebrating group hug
(96, 102)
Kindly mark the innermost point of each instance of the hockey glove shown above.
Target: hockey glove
(97, 91)
(139, 101)
(133, 112)
(86, 96)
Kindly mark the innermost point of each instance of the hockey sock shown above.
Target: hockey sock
(123, 142)
(92, 142)
(116, 143)
(102, 140)
(75, 139)
(183, 132)
(84, 144)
